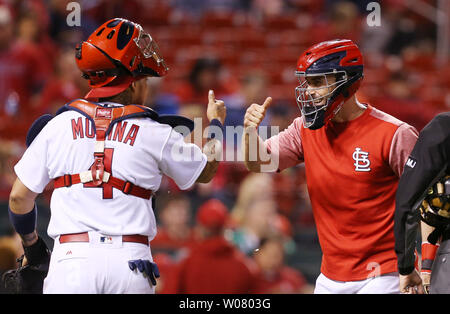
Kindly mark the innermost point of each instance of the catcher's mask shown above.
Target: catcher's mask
(340, 58)
(116, 54)
(435, 208)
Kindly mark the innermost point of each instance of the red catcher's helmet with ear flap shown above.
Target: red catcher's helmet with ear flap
(116, 54)
(341, 58)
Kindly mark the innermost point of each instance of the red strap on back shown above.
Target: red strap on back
(103, 117)
(125, 186)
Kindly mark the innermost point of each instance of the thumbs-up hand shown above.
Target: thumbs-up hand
(256, 113)
(216, 108)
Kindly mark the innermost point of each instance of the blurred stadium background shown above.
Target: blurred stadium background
(245, 50)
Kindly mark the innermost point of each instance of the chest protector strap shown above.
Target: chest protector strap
(103, 119)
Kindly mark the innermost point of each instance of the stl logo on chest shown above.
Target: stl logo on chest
(84, 127)
(361, 159)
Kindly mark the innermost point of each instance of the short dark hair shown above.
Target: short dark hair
(201, 64)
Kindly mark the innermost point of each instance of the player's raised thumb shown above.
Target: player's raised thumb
(211, 96)
(267, 103)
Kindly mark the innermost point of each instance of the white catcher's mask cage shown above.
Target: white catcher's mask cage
(148, 47)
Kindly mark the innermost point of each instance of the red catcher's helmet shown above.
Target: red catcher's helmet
(116, 54)
(341, 58)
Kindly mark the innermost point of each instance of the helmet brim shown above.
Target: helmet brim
(115, 88)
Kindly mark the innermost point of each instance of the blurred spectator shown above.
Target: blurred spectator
(281, 113)
(361, 5)
(67, 36)
(166, 266)
(140, 11)
(32, 37)
(198, 8)
(374, 40)
(162, 102)
(65, 85)
(253, 89)
(175, 233)
(303, 216)
(22, 77)
(258, 221)
(275, 276)
(204, 75)
(10, 152)
(344, 21)
(214, 265)
(287, 192)
(254, 186)
(399, 100)
(408, 29)
(284, 229)
(265, 8)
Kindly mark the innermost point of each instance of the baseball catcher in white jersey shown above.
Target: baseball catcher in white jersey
(106, 154)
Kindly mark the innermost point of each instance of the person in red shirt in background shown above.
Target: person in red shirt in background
(175, 234)
(166, 266)
(64, 85)
(277, 277)
(353, 154)
(24, 68)
(23, 72)
(214, 265)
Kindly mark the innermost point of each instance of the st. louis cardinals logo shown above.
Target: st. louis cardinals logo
(362, 161)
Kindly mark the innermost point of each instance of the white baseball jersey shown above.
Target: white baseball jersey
(138, 150)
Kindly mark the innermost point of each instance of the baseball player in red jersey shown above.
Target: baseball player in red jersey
(354, 155)
(106, 154)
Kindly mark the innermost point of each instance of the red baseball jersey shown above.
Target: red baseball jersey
(214, 266)
(286, 280)
(352, 171)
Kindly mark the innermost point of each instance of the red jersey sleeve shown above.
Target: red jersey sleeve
(286, 147)
(401, 146)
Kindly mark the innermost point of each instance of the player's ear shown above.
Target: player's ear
(132, 87)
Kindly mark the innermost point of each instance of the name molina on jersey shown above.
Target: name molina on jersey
(83, 127)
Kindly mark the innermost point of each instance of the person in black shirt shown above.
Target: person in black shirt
(428, 164)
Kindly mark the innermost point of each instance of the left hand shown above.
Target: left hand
(146, 267)
(411, 283)
(216, 108)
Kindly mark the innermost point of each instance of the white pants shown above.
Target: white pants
(97, 267)
(384, 284)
